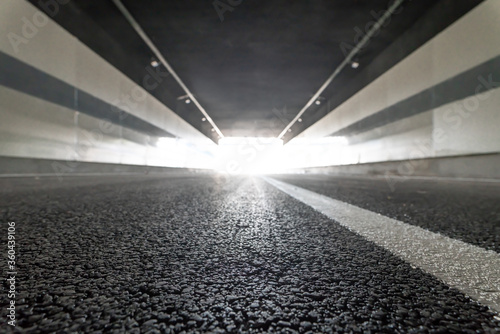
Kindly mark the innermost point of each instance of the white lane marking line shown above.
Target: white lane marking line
(404, 178)
(440, 178)
(472, 270)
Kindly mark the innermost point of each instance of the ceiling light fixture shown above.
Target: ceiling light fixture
(188, 101)
(318, 102)
(155, 63)
(203, 119)
(354, 64)
(299, 120)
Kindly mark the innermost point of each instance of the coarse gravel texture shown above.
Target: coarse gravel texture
(464, 210)
(209, 254)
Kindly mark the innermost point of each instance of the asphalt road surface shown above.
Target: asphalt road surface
(200, 253)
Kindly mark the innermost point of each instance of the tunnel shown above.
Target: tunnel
(237, 166)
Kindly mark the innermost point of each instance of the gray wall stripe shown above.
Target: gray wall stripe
(22, 77)
(459, 87)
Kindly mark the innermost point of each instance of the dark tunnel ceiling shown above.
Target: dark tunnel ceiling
(256, 69)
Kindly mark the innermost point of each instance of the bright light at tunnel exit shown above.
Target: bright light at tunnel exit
(253, 155)
(250, 155)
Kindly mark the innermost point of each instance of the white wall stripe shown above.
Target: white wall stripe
(470, 269)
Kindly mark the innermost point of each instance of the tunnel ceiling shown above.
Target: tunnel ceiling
(258, 66)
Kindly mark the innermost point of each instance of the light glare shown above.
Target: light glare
(250, 155)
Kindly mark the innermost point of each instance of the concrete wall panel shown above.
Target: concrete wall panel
(28, 126)
(464, 46)
(34, 128)
(468, 126)
(96, 143)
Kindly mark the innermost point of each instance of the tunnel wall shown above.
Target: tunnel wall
(61, 101)
(440, 101)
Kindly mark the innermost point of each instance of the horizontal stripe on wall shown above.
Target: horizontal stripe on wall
(479, 79)
(27, 79)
